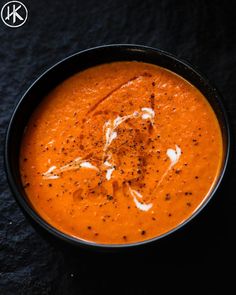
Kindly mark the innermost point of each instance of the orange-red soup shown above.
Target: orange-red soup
(120, 153)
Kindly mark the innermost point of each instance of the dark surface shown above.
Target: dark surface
(201, 32)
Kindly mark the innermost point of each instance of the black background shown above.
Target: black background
(201, 32)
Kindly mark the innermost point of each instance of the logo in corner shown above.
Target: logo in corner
(14, 14)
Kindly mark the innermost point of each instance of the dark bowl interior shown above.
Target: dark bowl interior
(78, 62)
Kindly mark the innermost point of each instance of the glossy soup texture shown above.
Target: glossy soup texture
(120, 153)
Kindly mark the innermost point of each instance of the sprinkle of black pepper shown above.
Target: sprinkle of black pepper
(50, 185)
(109, 197)
(89, 227)
(167, 197)
(188, 193)
(143, 232)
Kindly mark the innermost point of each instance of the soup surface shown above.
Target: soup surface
(120, 153)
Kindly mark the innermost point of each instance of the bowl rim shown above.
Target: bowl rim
(24, 204)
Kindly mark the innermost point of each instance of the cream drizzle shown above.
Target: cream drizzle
(109, 129)
(77, 163)
(88, 165)
(174, 156)
(148, 113)
(110, 126)
(110, 169)
(141, 206)
(49, 175)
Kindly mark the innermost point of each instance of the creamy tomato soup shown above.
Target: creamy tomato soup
(120, 153)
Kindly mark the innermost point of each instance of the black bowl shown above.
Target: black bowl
(78, 62)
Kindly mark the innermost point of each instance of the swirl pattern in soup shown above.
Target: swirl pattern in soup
(120, 153)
